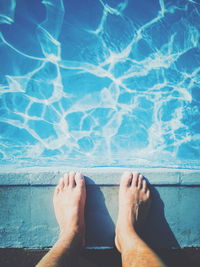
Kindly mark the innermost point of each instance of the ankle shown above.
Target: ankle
(126, 240)
(74, 232)
(70, 241)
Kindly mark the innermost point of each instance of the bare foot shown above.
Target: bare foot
(69, 203)
(134, 203)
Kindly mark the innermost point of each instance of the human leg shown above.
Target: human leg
(69, 203)
(134, 203)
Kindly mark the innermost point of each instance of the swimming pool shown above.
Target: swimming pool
(100, 83)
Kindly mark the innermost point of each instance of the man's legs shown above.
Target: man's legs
(69, 203)
(134, 203)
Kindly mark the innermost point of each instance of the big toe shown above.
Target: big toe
(126, 179)
(72, 182)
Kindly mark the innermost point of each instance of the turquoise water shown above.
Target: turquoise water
(100, 83)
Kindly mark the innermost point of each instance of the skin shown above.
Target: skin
(69, 204)
(134, 204)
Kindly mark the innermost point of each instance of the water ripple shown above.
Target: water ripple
(102, 83)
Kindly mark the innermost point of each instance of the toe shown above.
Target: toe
(135, 179)
(144, 185)
(79, 179)
(59, 187)
(56, 191)
(148, 193)
(72, 182)
(126, 179)
(61, 184)
(140, 181)
(66, 179)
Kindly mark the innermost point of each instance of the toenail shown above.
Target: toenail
(78, 174)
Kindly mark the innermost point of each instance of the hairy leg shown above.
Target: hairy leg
(69, 203)
(134, 203)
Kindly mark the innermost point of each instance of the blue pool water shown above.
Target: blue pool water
(100, 83)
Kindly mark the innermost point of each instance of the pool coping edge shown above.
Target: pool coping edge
(97, 176)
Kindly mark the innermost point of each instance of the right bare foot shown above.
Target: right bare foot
(134, 203)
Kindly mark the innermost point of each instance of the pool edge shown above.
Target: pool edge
(99, 176)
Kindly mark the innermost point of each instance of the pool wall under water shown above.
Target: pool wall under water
(99, 83)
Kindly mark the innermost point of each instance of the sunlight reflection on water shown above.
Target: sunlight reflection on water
(100, 83)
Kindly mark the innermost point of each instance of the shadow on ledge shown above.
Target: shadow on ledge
(100, 228)
(159, 236)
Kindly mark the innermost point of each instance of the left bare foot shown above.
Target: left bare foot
(69, 203)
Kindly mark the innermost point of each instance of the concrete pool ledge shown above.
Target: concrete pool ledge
(27, 217)
(98, 176)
